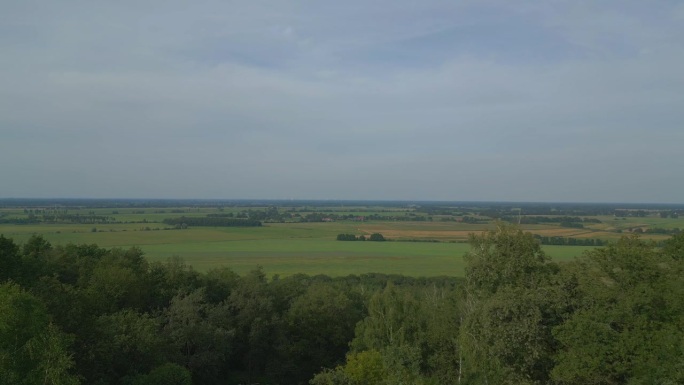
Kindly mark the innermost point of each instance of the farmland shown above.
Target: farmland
(316, 292)
(300, 237)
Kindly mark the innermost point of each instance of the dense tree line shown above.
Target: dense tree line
(20, 221)
(56, 216)
(572, 225)
(660, 230)
(669, 214)
(81, 314)
(212, 222)
(569, 241)
(270, 214)
(375, 237)
(533, 220)
(76, 218)
(324, 217)
(411, 217)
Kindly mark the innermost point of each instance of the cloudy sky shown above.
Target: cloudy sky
(359, 99)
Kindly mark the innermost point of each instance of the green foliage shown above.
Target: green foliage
(509, 309)
(615, 316)
(376, 237)
(350, 237)
(170, 278)
(629, 326)
(123, 344)
(331, 377)
(251, 308)
(504, 257)
(10, 259)
(212, 221)
(35, 254)
(32, 351)
(67, 304)
(416, 332)
(119, 280)
(218, 284)
(200, 337)
(674, 247)
(49, 350)
(320, 324)
(365, 367)
(165, 374)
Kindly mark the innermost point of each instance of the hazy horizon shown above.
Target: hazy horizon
(431, 101)
(343, 201)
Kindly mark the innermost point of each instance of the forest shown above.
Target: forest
(82, 314)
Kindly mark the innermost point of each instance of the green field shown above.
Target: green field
(297, 246)
(283, 249)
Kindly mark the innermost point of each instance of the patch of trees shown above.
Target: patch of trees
(350, 237)
(572, 225)
(375, 237)
(212, 222)
(471, 220)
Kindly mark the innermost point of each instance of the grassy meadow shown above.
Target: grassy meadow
(291, 247)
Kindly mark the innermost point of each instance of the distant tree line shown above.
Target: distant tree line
(411, 217)
(533, 220)
(19, 221)
(568, 241)
(669, 214)
(77, 218)
(572, 225)
(471, 220)
(442, 211)
(212, 221)
(660, 230)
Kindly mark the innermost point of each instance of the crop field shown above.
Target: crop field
(302, 239)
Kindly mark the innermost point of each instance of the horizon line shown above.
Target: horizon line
(334, 200)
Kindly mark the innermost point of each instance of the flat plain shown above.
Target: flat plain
(419, 245)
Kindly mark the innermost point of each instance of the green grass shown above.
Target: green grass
(289, 248)
(283, 249)
(316, 256)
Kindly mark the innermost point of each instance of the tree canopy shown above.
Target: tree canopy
(81, 314)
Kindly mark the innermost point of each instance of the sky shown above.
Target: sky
(558, 101)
